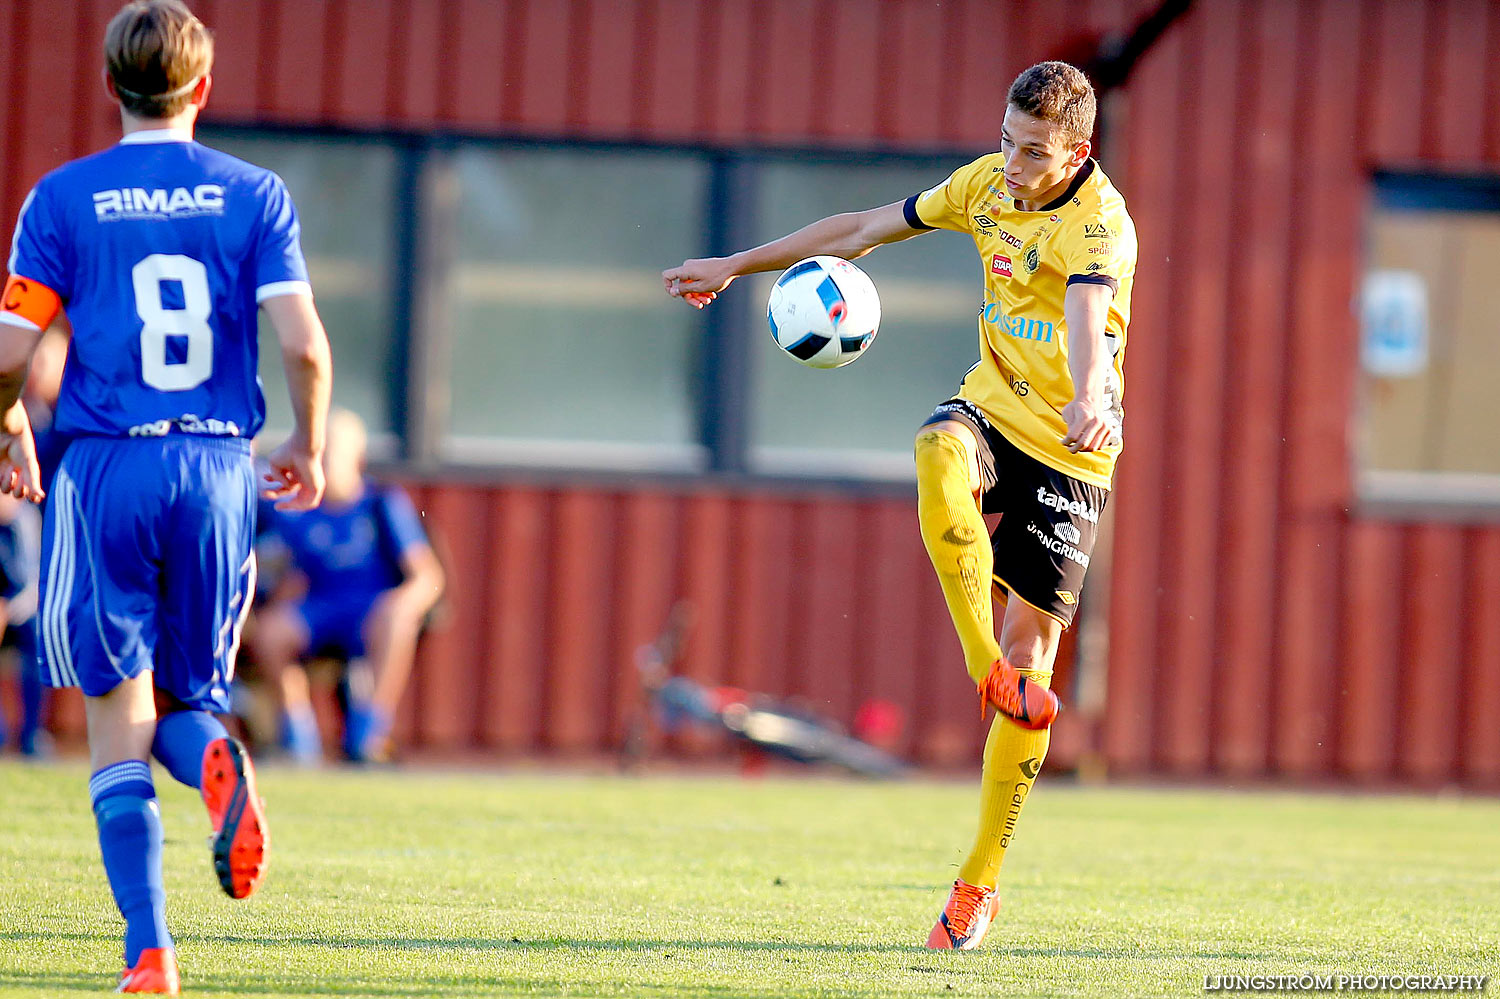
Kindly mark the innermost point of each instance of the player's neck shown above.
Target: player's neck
(1048, 196)
(183, 122)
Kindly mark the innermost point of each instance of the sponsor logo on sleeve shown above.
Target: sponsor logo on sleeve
(1093, 230)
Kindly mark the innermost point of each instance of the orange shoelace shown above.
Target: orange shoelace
(964, 907)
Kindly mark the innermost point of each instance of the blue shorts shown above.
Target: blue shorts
(335, 624)
(147, 564)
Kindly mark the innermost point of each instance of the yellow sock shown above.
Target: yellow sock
(959, 546)
(1012, 757)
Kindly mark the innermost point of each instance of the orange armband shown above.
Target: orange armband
(31, 301)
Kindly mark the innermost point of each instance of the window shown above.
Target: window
(345, 190)
(1428, 362)
(859, 420)
(564, 348)
(499, 303)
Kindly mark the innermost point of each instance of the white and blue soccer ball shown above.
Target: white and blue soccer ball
(824, 311)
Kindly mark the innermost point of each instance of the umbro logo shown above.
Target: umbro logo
(1030, 767)
(985, 222)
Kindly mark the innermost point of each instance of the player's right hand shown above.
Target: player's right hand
(295, 477)
(697, 282)
(20, 476)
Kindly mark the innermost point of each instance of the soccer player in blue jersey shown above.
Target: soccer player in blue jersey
(368, 578)
(161, 251)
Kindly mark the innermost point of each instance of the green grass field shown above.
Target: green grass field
(456, 884)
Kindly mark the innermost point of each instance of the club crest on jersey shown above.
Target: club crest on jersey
(1033, 258)
(158, 203)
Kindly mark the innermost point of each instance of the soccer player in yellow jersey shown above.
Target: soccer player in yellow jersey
(1033, 433)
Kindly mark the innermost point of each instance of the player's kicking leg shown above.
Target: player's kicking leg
(954, 465)
(1013, 756)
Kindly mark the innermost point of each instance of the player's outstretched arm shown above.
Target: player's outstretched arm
(296, 475)
(850, 235)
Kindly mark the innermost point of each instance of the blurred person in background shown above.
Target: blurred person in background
(1033, 433)
(21, 543)
(357, 579)
(20, 564)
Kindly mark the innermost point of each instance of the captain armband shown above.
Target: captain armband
(31, 302)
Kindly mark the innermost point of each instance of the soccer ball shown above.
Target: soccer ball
(824, 311)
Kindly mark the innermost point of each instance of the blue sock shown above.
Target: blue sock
(299, 734)
(364, 727)
(181, 738)
(130, 840)
(32, 693)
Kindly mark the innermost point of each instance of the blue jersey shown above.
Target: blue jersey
(161, 251)
(351, 552)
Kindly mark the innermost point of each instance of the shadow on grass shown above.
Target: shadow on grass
(52, 982)
(648, 946)
(652, 976)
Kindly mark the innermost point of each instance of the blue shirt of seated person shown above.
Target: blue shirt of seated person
(350, 554)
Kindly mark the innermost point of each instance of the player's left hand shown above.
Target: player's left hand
(1088, 430)
(293, 477)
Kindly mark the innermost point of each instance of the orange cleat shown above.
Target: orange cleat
(966, 918)
(242, 840)
(1028, 704)
(155, 971)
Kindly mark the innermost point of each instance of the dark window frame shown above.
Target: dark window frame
(725, 373)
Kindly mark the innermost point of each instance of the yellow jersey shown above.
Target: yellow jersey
(1021, 380)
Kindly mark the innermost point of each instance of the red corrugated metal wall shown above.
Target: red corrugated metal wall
(559, 588)
(1258, 625)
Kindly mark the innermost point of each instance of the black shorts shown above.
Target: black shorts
(1048, 519)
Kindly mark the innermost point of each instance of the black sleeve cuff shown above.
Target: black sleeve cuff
(912, 218)
(1104, 279)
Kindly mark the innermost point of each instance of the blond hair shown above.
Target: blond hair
(155, 52)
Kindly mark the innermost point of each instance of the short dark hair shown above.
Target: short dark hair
(155, 52)
(1058, 93)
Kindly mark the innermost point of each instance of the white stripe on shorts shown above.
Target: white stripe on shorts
(60, 573)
